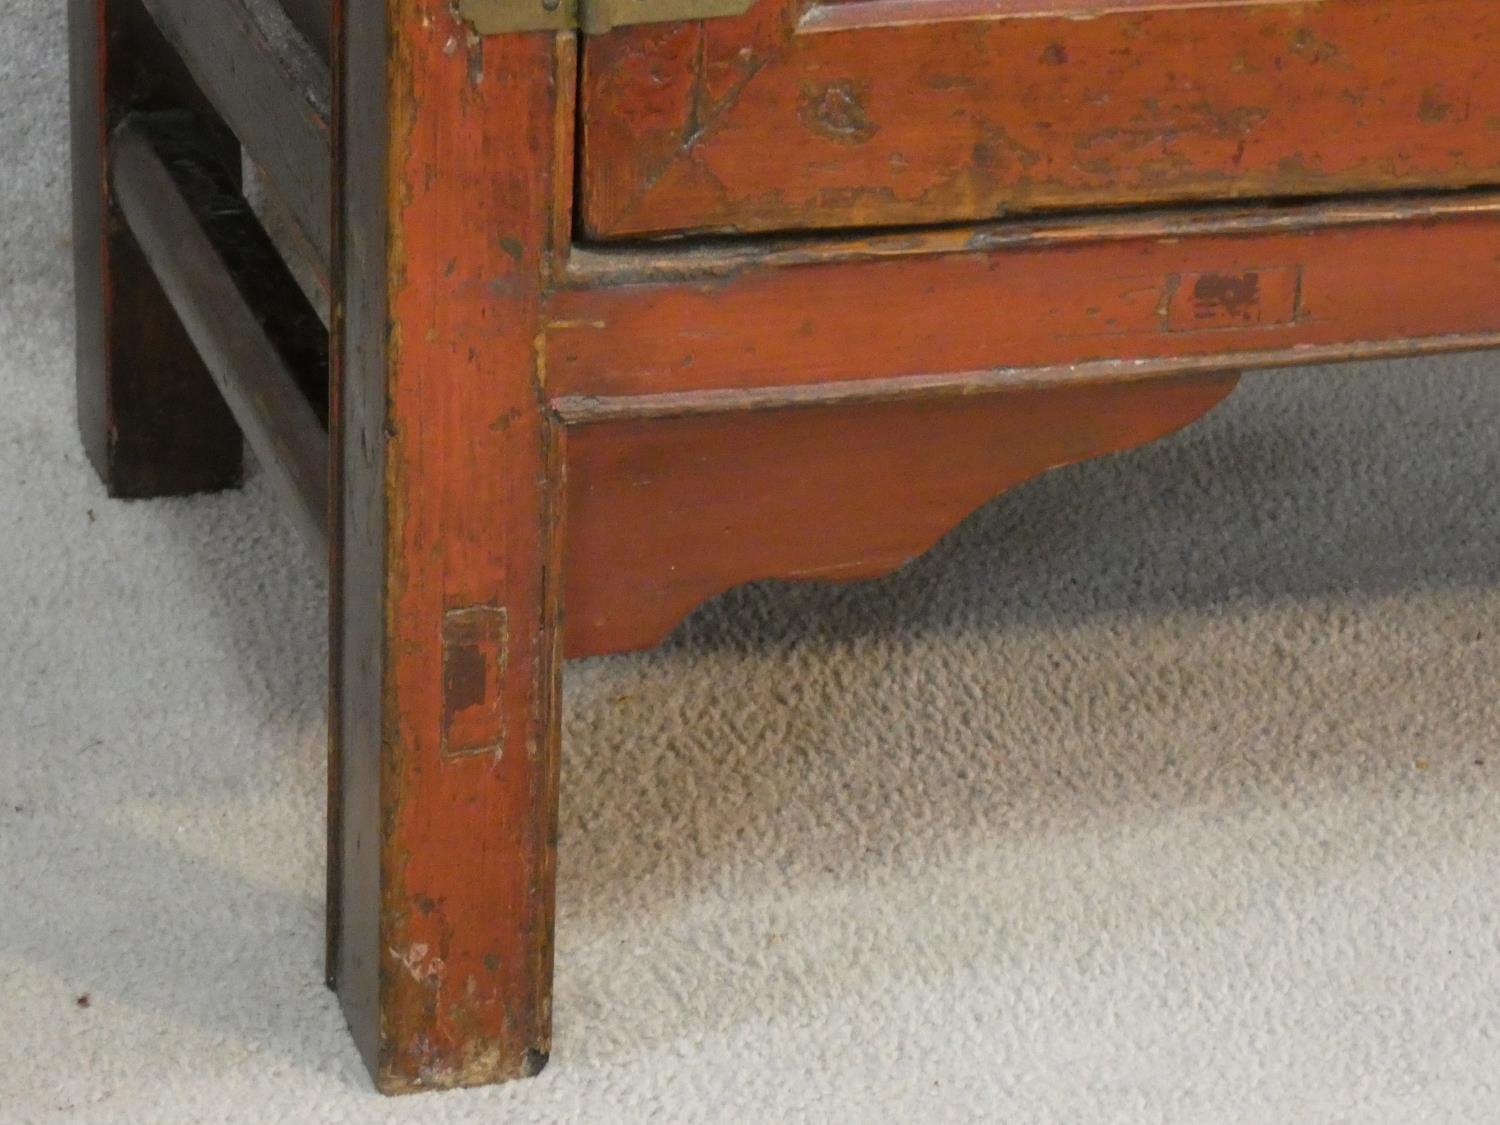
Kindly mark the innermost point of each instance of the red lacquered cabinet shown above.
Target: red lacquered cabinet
(630, 301)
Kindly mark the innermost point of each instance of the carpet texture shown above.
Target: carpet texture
(1164, 790)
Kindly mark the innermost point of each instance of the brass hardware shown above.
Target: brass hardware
(592, 17)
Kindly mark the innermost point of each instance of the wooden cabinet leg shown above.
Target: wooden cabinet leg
(445, 627)
(152, 421)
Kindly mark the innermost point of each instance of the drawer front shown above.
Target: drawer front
(863, 113)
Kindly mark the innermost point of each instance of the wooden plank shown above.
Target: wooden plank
(151, 419)
(665, 513)
(314, 19)
(271, 86)
(988, 306)
(832, 15)
(337, 507)
(804, 115)
(448, 546)
(257, 335)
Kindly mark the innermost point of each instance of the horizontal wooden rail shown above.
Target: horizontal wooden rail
(708, 328)
(258, 336)
(272, 87)
(583, 410)
(706, 260)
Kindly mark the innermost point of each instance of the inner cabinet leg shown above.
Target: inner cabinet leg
(152, 421)
(446, 623)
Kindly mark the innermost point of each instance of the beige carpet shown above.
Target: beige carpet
(1165, 790)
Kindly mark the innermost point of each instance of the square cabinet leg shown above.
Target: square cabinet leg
(445, 721)
(152, 421)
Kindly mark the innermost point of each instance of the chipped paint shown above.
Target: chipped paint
(420, 966)
(924, 111)
(837, 111)
(475, 657)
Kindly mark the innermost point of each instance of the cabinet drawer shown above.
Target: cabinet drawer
(863, 113)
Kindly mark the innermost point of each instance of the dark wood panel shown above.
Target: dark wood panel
(249, 322)
(341, 42)
(151, 420)
(314, 19)
(272, 88)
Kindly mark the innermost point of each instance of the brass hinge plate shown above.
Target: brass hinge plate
(593, 17)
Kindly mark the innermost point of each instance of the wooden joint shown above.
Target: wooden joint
(595, 17)
(475, 656)
(272, 88)
(257, 334)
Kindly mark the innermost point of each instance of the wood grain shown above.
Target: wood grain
(151, 419)
(908, 111)
(249, 322)
(447, 596)
(272, 88)
(981, 306)
(664, 513)
(314, 19)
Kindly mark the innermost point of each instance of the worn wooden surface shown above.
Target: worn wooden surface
(1116, 297)
(641, 426)
(314, 19)
(271, 86)
(447, 593)
(255, 331)
(799, 115)
(663, 513)
(339, 347)
(151, 419)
